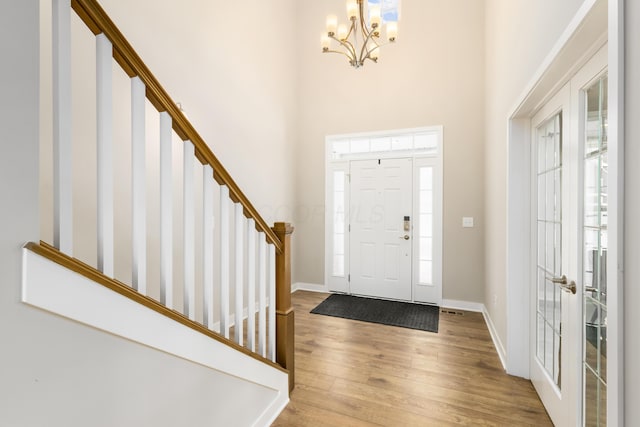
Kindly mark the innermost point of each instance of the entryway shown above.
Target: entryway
(384, 215)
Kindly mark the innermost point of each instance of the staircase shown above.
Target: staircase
(168, 263)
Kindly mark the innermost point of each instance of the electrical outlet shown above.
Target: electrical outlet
(467, 222)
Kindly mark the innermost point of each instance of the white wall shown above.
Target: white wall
(632, 213)
(519, 34)
(433, 75)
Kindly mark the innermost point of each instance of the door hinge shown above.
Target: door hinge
(348, 277)
(349, 228)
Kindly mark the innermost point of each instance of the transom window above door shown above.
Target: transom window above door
(411, 141)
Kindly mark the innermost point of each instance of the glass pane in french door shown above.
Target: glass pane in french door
(595, 254)
(549, 251)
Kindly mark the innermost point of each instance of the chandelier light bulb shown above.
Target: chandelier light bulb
(332, 24)
(342, 32)
(325, 42)
(392, 31)
(375, 53)
(375, 16)
(352, 9)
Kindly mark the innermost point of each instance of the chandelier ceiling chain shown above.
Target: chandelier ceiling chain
(359, 41)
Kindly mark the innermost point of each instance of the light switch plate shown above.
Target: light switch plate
(467, 221)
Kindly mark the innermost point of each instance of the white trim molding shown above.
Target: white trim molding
(311, 287)
(497, 343)
(476, 307)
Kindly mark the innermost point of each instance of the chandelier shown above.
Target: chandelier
(359, 41)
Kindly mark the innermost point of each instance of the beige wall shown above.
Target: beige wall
(519, 34)
(432, 76)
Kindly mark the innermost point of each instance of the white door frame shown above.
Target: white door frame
(586, 33)
(342, 162)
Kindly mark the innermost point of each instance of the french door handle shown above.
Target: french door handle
(559, 280)
(405, 237)
(565, 285)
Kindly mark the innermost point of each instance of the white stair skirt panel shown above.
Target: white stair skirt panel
(53, 288)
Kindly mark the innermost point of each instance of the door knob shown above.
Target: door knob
(559, 280)
(405, 237)
(565, 285)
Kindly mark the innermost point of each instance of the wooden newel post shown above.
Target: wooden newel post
(284, 311)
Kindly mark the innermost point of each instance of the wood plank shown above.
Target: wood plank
(357, 373)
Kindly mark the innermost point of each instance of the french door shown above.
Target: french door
(555, 323)
(568, 323)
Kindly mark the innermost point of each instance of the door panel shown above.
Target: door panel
(554, 313)
(381, 198)
(594, 262)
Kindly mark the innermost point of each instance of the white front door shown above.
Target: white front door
(381, 236)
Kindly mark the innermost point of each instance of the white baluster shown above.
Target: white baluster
(272, 302)
(189, 230)
(62, 144)
(104, 109)
(251, 284)
(207, 240)
(138, 191)
(262, 298)
(239, 263)
(166, 211)
(224, 261)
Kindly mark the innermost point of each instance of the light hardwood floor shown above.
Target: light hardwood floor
(351, 373)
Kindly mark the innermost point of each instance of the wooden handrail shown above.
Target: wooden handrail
(97, 20)
(49, 252)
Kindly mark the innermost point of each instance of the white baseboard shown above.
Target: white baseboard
(463, 305)
(480, 308)
(502, 354)
(311, 287)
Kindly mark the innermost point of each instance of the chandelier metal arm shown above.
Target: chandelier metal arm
(369, 37)
(347, 45)
(340, 52)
